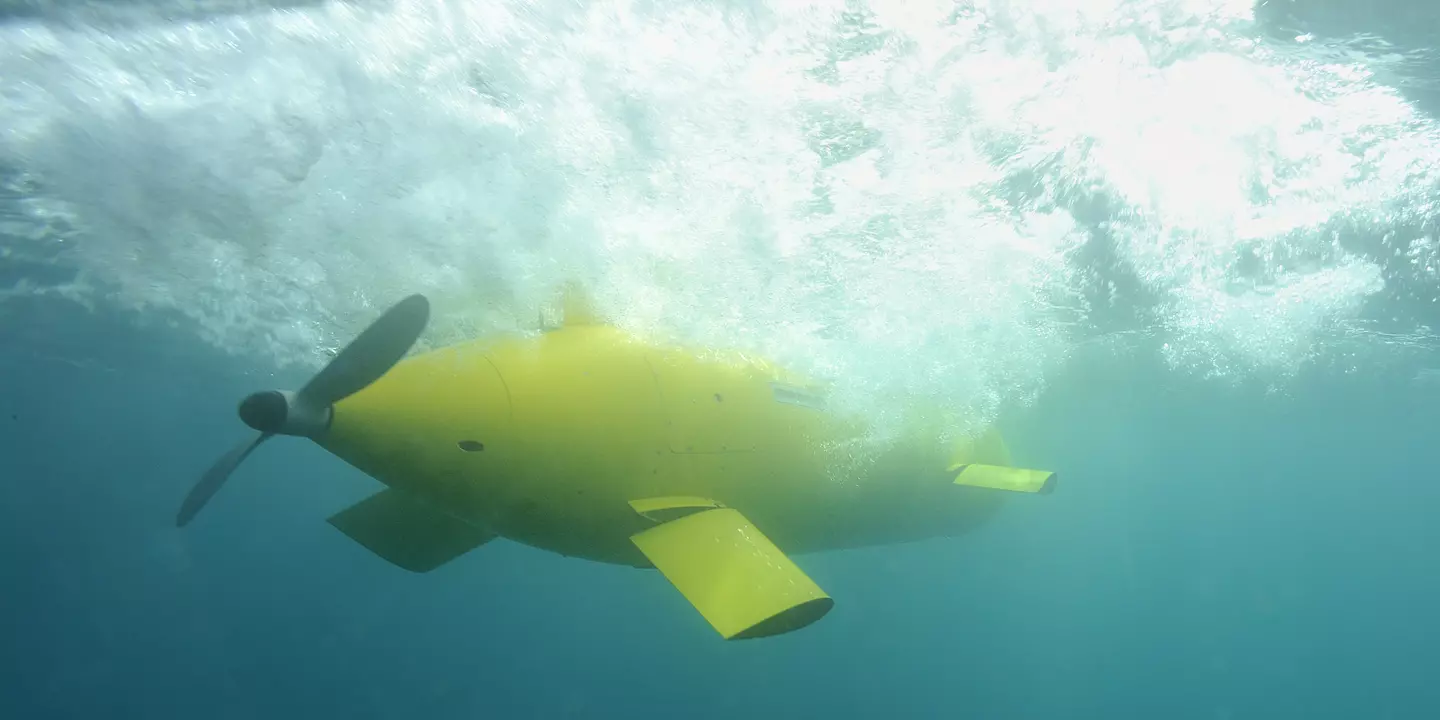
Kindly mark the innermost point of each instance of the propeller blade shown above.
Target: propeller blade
(362, 362)
(370, 355)
(215, 477)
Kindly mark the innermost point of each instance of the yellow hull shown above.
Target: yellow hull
(545, 440)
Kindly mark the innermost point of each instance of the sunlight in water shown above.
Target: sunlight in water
(902, 198)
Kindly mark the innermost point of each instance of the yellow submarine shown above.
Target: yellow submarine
(583, 440)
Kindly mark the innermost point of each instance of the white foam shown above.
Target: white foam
(782, 177)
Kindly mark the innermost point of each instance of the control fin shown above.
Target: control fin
(738, 580)
(997, 477)
(409, 534)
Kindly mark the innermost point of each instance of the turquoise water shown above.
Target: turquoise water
(1183, 252)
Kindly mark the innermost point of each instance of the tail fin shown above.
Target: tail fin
(985, 462)
(996, 477)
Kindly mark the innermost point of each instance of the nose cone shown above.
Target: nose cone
(433, 421)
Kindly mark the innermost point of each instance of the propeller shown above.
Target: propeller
(306, 413)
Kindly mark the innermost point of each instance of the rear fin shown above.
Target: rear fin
(406, 532)
(997, 477)
(984, 461)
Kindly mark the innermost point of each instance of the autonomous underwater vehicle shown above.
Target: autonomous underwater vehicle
(587, 441)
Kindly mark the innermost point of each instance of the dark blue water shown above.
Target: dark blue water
(1210, 553)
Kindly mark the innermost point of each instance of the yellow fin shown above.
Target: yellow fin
(997, 477)
(737, 579)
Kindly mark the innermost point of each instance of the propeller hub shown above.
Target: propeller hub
(265, 411)
(284, 413)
